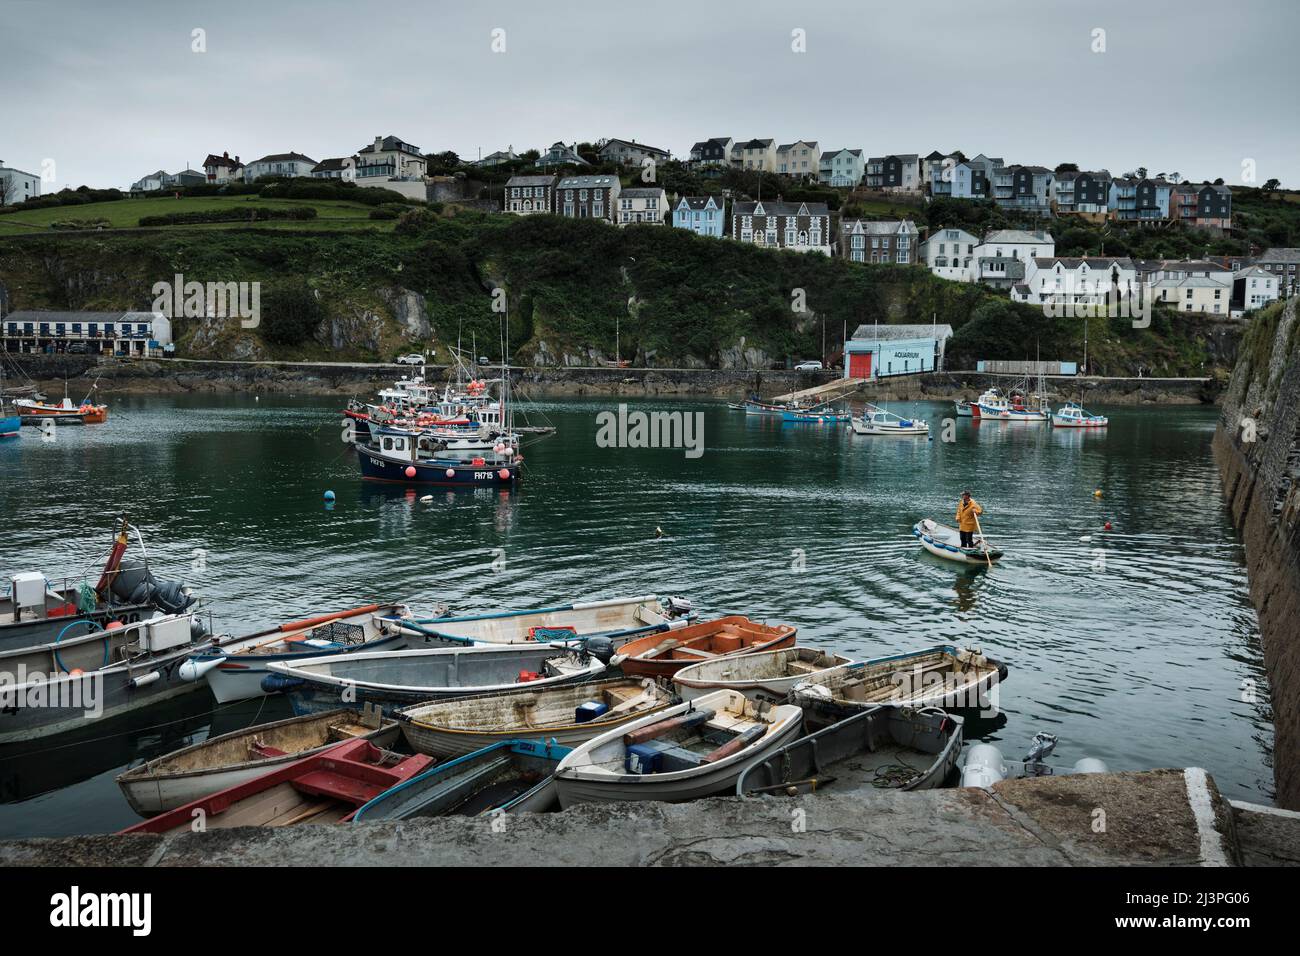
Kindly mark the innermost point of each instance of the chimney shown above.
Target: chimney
(236, 157)
(379, 143)
(225, 155)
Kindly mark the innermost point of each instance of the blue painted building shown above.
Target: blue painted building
(881, 350)
(700, 214)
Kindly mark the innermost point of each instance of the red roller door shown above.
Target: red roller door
(860, 365)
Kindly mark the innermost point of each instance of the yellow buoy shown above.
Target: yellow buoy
(1097, 493)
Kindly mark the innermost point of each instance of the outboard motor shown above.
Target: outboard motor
(601, 648)
(1042, 746)
(135, 584)
(680, 607)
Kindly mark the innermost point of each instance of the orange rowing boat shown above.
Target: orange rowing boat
(664, 654)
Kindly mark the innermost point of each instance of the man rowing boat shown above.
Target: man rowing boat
(967, 511)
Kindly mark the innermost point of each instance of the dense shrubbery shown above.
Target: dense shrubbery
(389, 210)
(290, 314)
(65, 197)
(250, 214)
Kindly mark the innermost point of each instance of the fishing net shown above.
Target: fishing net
(87, 600)
(339, 632)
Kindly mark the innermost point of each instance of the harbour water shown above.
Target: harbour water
(1137, 645)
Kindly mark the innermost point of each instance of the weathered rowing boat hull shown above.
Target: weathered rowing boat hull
(158, 793)
(240, 676)
(573, 790)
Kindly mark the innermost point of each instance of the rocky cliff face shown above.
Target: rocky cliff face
(1257, 448)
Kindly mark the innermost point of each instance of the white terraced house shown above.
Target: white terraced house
(279, 164)
(1254, 288)
(842, 168)
(1193, 286)
(642, 205)
(801, 160)
(1081, 281)
(950, 254)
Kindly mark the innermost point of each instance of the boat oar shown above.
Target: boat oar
(983, 542)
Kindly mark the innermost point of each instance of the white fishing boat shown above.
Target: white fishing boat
(696, 749)
(235, 667)
(768, 675)
(963, 409)
(941, 676)
(618, 619)
(197, 771)
(1019, 404)
(1072, 415)
(945, 542)
(570, 715)
(879, 421)
(397, 679)
(894, 748)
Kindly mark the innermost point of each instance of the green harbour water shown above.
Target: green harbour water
(1137, 645)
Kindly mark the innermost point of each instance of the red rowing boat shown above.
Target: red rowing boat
(328, 787)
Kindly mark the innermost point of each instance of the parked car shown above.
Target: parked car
(410, 358)
(810, 366)
(78, 348)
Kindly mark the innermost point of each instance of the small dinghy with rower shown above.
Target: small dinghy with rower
(945, 542)
(896, 748)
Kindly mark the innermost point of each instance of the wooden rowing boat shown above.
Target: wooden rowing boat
(768, 675)
(940, 676)
(510, 776)
(568, 714)
(328, 787)
(618, 620)
(696, 749)
(218, 763)
(664, 655)
(945, 542)
(897, 748)
(397, 679)
(234, 669)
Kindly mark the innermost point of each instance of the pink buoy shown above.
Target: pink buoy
(451, 472)
(113, 625)
(504, 474)
(499, 449)
(410, 471)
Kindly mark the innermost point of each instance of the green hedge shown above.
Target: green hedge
(229, 215)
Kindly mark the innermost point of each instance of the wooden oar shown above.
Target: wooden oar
(983, 542)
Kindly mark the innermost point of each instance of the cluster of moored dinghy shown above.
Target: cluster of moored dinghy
(398, 714)
(522, 711)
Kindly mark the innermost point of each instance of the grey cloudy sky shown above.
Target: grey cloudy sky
(111, 90)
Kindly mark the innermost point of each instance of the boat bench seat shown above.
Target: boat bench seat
(693, 652)
(802, 667)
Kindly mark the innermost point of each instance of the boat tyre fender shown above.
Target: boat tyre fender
(279, 683)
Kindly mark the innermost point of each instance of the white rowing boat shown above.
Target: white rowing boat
(769, 675)
(945, 542)
(696, 749)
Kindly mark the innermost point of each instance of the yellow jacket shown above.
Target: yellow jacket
(966, 514)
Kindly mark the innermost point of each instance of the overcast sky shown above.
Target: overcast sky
(111, 91)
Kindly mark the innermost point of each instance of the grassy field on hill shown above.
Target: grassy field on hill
(127, 213)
